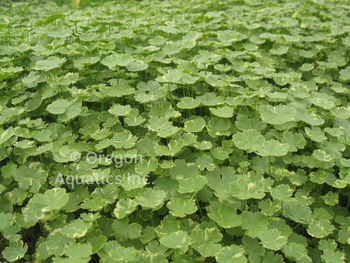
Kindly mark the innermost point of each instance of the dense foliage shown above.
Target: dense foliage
(222, 128)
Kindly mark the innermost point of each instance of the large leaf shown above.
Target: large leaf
(277, 115)
(50, 63)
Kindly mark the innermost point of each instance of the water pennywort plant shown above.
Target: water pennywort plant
(239, 110)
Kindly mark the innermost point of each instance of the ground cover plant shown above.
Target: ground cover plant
(175, 131)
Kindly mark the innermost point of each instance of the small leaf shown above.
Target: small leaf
(277, 115)
(176, 240)
(15, 251)
(181, 207)
(231, 254)
(272, 239)
(225, 216)
(272, 148)
(50, 63)
(150, 198)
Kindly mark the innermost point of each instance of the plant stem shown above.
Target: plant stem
(151, 217)
(282, 209)
(199, 207)
(6, 152)
(137, 214)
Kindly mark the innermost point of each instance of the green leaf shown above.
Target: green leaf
(168, 132)
(188, 79)
(245, 123)
(253, 248)
(279, 49)
(206, 162)
(295, 251)
(282, 193)
(172, 148)
(150, 198)
(269, 208)
(64, 80)
(137, 66)
(114, 252)
(117, 90)
(39, 204)
(331, 198)
(272, 239)
(15, 251)
(88, 36)
(322, 156)
(181, 207)
(315, 134)
(192, 184)
(333, 256)
(254, 223)
(6, 220)
(51, 18)
(176, 240)
(59, 106)
(124, 231)
(113, 60)
(295, 141)
(78, 252)
(224, 112)
(76, 229)
(248, 140)
(120, 110)
(195, 125)
(50, 63)
(308, 117)
(124, 139)
(306, 67)
(231, 254)
(225, 216)
(210, 99)
(249, 186)
(59, 32)
(344, 74)
(31, 177)
(42, 136)
(277, 115)
(6, 135)
(172, 76)
(341, 112)
(24, 144)
(144, 168)
(133, 182)
(273, 258)
(320, 228)
(205, 241)
(66, 109)
(328, 244)
(71, 112)
(64, 154)
(272, 148)
(188, 103)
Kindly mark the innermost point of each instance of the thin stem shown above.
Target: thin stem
(59, 219)
(199, 207)
(295, 226)
(171, 97)
(118, 75)
(6, 152)
(137, 214)
(151, 217)
(282, 209)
